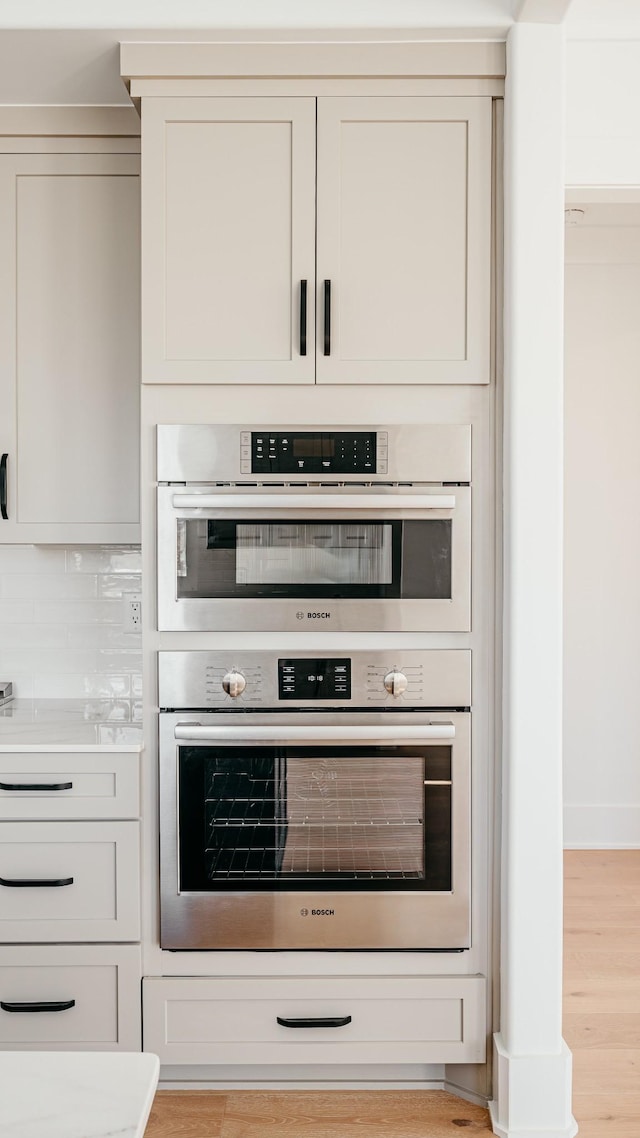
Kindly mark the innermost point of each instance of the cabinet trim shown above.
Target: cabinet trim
(234, 60)
(463, 86)
(69, 121)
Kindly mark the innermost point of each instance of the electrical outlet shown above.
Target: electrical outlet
(133, 614)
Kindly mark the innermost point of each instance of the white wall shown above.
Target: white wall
(603, 110)
(602, 529)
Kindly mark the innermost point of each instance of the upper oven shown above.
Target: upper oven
(363, 530)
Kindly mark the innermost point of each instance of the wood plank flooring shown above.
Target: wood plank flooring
(314, 1114)
(602, 989)
(601, 1025)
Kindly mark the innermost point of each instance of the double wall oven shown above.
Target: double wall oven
(359, 530)
(315, 800)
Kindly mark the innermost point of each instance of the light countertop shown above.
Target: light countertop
(70, 725)
(76, 1094)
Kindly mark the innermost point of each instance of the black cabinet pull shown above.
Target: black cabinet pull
(51, 1006)
(327, 318)
(303, 318)
(3, 486)
(330, 1021)
(36, 785)
(20, 883)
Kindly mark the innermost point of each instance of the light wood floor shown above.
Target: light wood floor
(601, 1025)
(602, 989)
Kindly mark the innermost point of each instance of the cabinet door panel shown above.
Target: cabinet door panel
(229, 235)
(69, 331)
(404, 235)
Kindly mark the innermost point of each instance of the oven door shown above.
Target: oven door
(288, 832)
(336, 559)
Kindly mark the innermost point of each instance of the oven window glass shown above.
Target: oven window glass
(306, 559)
(264, 817)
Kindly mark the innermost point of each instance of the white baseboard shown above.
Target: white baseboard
(305, 1085)
(532, 1094)
(596, 827)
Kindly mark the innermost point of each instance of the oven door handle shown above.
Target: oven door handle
(339, 502)
(202, 733)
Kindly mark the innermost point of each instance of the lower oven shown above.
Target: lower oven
(290, 821)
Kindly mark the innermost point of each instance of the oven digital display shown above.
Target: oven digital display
(307, 452)
(313, 446)
(314, 679)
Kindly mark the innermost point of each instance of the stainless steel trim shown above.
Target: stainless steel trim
(241, 732)
(429, 452)
(311, 501)
(436, 678)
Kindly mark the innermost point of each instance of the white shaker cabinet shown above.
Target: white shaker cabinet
(228, 240)
(404, 240)
(69, 872)
(397, 205)
(69, 347)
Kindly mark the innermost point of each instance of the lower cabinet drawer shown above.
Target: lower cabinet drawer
(199, 1020)
(82, 785)
(69, 881)
(71, 998)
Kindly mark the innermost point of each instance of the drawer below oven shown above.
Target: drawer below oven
(101, 982)
(69, 881)
(202, 1020)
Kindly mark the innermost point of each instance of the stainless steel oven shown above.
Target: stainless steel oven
(315, 801)
(354, 529)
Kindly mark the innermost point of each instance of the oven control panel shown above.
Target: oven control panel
(245, 681)
(312, 452)
(314, 678)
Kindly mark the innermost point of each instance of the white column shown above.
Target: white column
(532, 1064)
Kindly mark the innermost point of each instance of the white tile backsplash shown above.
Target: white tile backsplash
(48, 586)
(78, 612)
(62, 621)
(103, 559)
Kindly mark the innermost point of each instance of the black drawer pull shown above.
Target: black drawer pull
(3, 486)
(53, 1006)
(303, 318)
(36, 785)
(330, 1021)
(20, 883)
(327, 318)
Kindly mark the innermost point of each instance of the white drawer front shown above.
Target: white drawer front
(402, 1020)
(97, 867)
(82, 785)
(102, 984)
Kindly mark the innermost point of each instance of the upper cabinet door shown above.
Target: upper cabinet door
(69, 347)
(228, 240)
(404, 240)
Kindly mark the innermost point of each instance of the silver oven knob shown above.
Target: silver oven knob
(234, 683)
(396, 683)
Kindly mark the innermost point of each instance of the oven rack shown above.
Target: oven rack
(342, 810)
(272, 863)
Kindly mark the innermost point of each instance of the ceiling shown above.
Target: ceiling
(67, 51)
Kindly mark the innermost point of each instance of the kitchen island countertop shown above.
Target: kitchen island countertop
(69, 1094)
